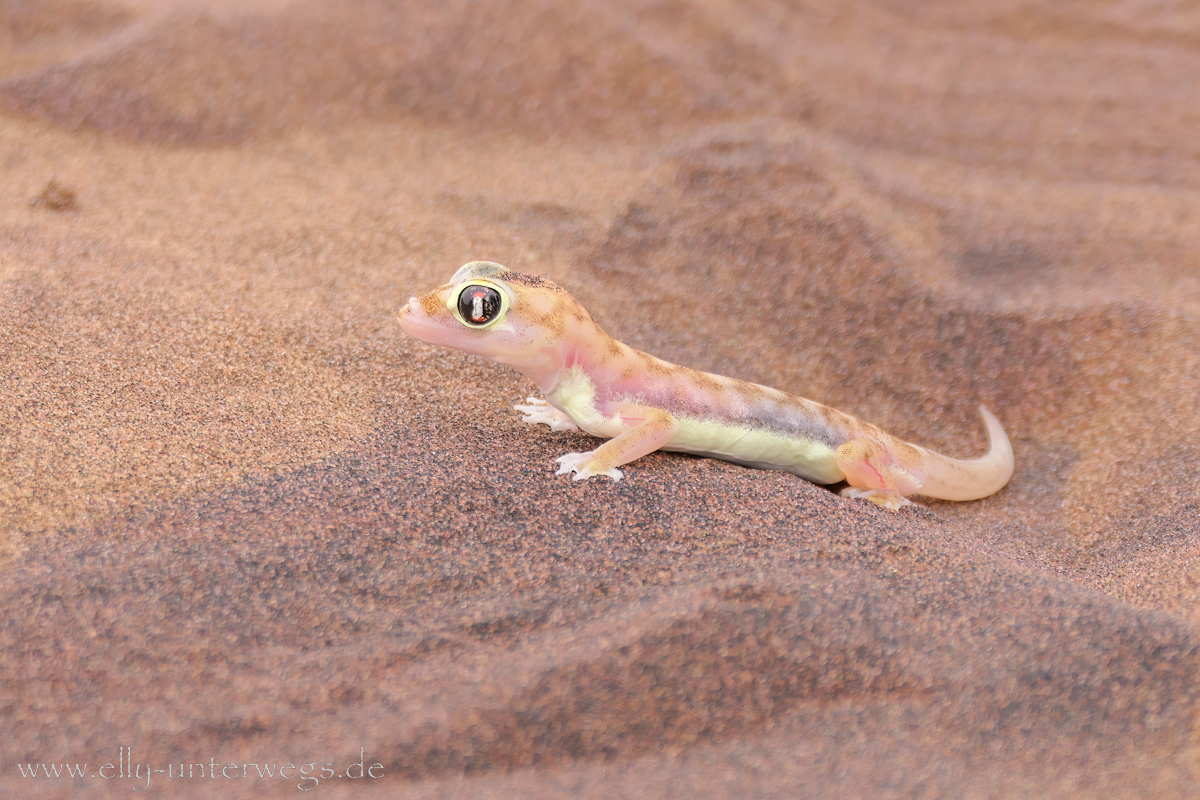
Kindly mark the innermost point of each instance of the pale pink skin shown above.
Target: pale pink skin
(642, 404)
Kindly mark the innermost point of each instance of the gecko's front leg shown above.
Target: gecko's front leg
(650, 429)
(539, 411)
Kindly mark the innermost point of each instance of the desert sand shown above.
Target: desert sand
(245, 520)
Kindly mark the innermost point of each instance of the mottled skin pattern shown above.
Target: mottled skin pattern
(642, 404)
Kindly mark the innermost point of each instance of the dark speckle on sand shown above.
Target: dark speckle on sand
(56, 197)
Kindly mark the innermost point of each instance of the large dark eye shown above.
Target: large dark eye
(478, 305)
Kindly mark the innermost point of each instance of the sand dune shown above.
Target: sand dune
(198, 78)
(245, 517)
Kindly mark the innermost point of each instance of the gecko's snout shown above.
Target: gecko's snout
(416, 321)
(408, 310)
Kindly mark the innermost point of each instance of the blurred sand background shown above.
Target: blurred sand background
(244, 516)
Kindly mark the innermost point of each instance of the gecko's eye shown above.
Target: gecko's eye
(478, 305)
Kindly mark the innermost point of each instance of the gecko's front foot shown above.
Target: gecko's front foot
(893, 501)
(581, 465)
(539, 411)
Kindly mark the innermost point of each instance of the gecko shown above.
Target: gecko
(640, 404)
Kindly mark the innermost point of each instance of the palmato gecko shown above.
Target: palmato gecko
(642, 404)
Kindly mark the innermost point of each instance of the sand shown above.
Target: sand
(245, 518)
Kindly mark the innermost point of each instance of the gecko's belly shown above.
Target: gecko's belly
(755, 447)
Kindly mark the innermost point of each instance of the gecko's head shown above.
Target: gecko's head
(490, 311)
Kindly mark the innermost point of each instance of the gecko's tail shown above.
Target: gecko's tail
(970, 479)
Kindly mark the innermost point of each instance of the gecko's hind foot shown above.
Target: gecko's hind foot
(581, 465)
(893, 501)
(539, 411)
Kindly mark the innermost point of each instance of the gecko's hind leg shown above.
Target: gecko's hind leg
(893, 501)
(538, 410)
(868, 469)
